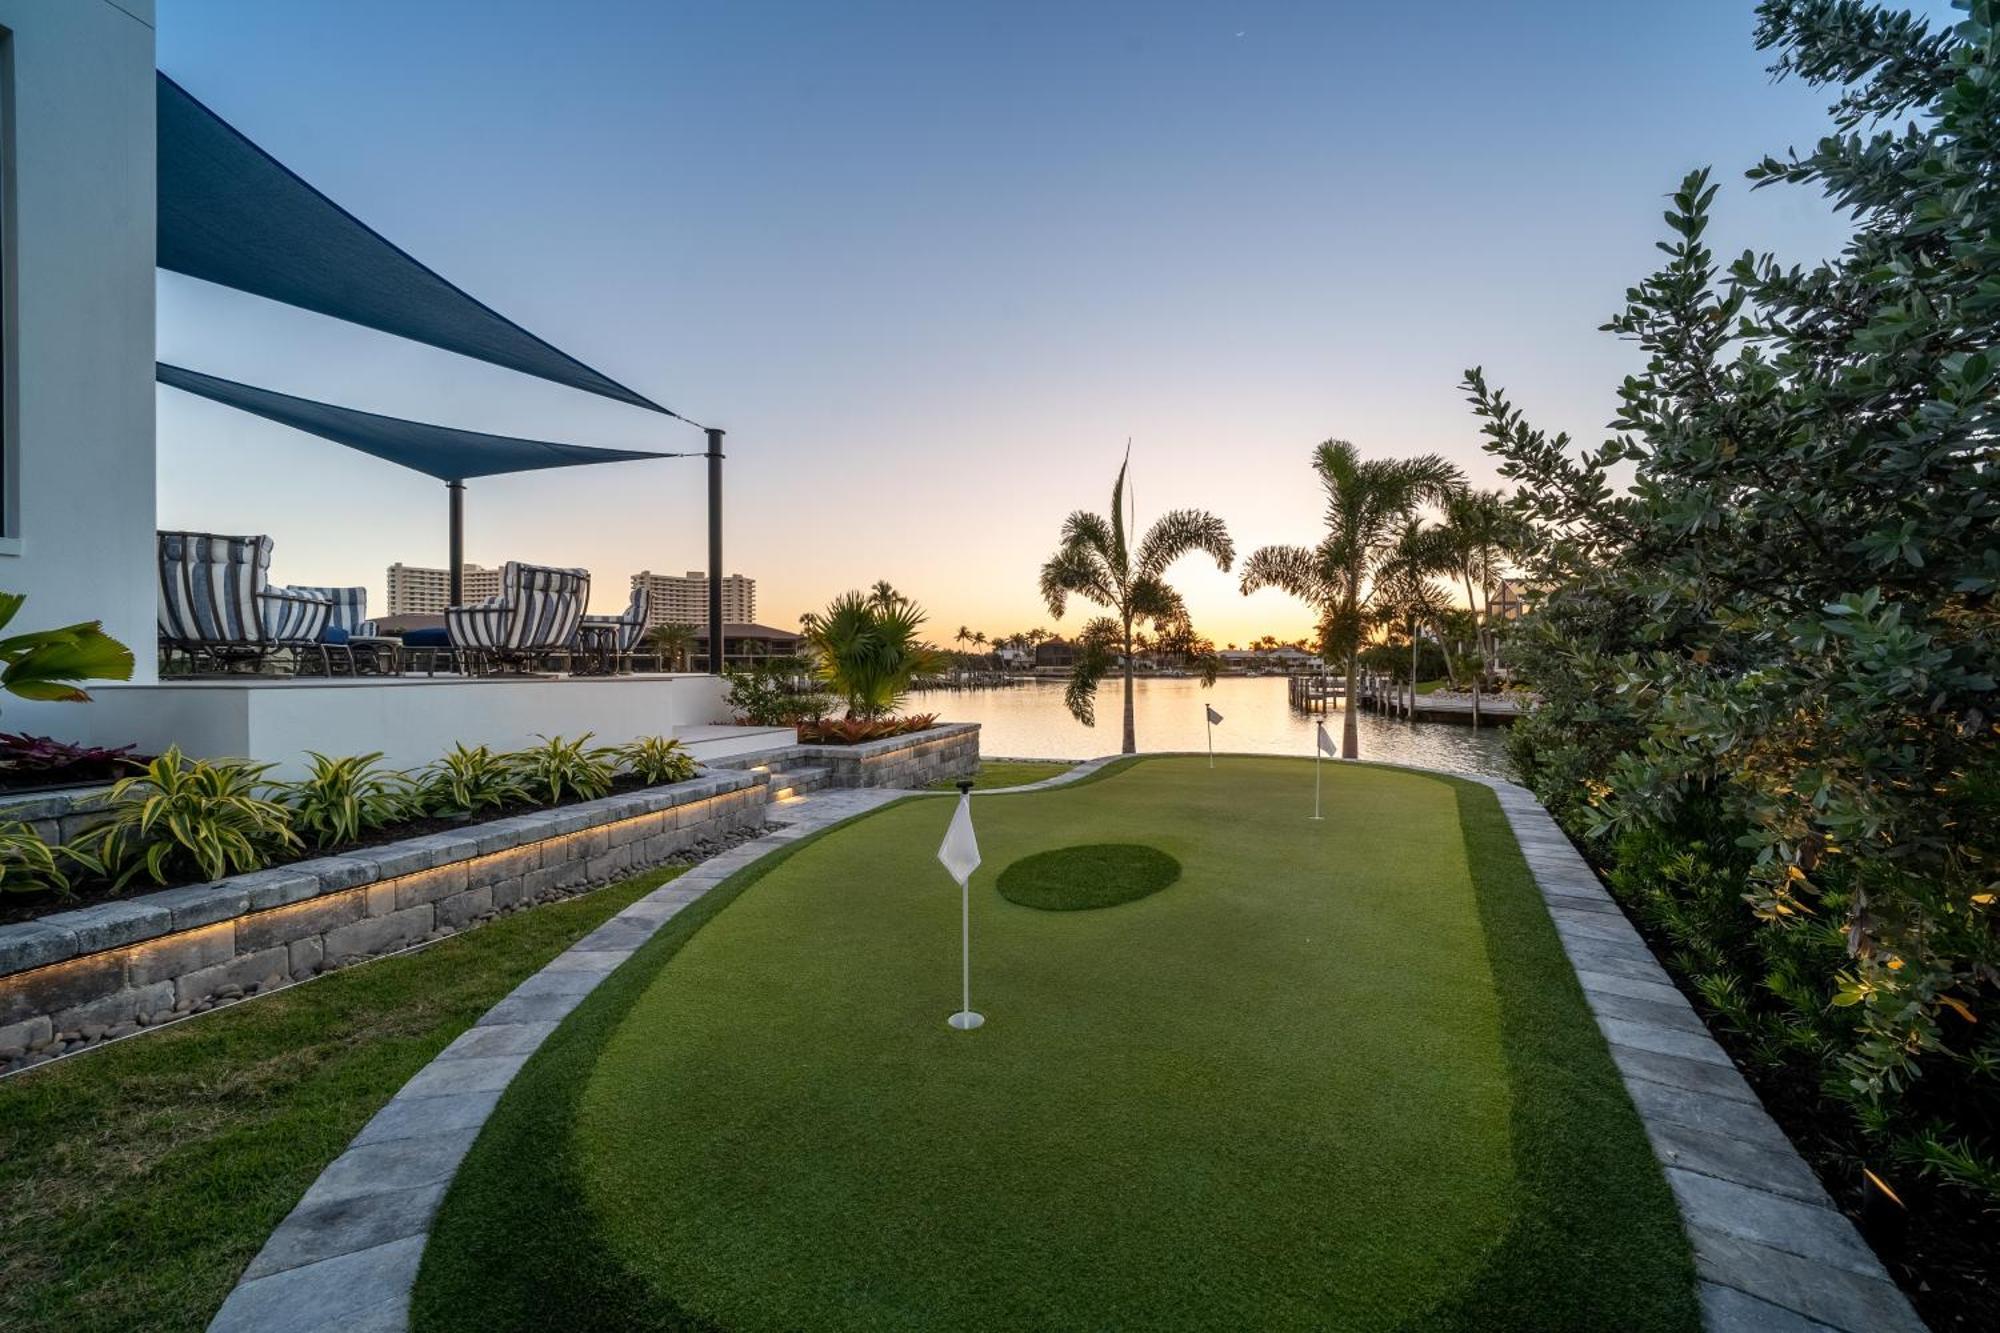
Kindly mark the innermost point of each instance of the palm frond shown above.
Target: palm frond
(1076, 568)
(1297, 570)
(1178, 532)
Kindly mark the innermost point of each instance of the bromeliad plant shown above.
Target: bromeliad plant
(344, 798)
(656, 761)
(190, 818)
(468, 780)
(557, 765)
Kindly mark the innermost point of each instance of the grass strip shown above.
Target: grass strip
(136, 1181)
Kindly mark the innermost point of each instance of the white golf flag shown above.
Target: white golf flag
(1214, 718)
(1326, 743)
(960, 850)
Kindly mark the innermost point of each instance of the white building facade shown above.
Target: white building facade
(682, 599)
(416, 590)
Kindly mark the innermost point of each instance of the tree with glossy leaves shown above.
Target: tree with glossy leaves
(1097, 563)
(1369, 501)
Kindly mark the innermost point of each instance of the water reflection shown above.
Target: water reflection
(1029, 721)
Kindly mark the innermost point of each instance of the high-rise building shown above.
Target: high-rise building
(415, 590)
(682, 599)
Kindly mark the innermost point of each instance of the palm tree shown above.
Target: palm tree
(1410, 595)
(884, 596)
(1095, 563)
(868, 651)
(1368, 502)
(673, 642)
(1480, 529)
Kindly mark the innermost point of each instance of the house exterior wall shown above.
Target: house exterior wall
(79, 231)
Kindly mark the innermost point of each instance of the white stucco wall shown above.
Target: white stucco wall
(79, 326)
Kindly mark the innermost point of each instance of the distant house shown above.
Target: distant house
(1510, 602)
(745, 645)
(1055, 653)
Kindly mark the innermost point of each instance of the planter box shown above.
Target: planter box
(84, 975)
(948, 750)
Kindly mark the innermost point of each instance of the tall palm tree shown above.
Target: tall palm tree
(1480, 530)
(1095, 563)
(1410, 594)
(1368, 502)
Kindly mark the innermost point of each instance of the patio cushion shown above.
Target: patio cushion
(333, 634)
(434, 637)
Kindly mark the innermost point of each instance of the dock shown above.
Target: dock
(1381, 694)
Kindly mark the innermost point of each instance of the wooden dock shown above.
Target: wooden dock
(1317, 694)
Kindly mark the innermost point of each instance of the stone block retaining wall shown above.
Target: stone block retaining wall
(949, 750)
(102, 971)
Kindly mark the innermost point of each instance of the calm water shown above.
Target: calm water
(1029, 721)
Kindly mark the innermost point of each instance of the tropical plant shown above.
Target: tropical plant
(560, 765)
(854, 730)
(22, 753)
(341, 799)
(1787, 627)
(28, 864)
(769, 693)
(48, 664)
(867, 649)
(468, 779)
(656, 760)
(1410, 597)
(186, 818)
(1369, 502)
(1094, 562)
(1480, 531)
(674, 642)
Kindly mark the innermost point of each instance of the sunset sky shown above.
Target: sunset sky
(932, 264)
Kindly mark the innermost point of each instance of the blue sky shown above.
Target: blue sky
(931, 264)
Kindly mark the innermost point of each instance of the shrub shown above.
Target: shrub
(343, 798)
(655, 760)
(867, 649)
(768, 694)
(186, 817)
(30, 865)
(44, 754)
(557, 765)
(467, 780)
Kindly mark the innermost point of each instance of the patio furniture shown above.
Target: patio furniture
(217, 606)
(350, 637)
(615, 638)
(535, 617)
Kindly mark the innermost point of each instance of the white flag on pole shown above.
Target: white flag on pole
(1214, 718)
(960, 850)
(1326, 743)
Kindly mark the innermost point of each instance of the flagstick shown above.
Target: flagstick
(1318, 751)
(1211, 735)
(965, 1020)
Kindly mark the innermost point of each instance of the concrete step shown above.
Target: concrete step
(712, 744)
(786, 782)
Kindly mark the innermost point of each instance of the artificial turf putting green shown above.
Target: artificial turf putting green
(1081, 879)
(1340, 1077)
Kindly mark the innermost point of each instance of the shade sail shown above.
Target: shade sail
(443, 452)
(230, 213)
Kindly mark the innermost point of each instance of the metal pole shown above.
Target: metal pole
(715, 645)
(456, 581)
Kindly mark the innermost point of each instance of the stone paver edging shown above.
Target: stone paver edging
(1772, 1253)
(346, 1256)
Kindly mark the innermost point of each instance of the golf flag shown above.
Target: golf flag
(1214, 718)
(960, 850)
(959, 854)
(1326, 743)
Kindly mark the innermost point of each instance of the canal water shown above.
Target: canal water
(1028, 721)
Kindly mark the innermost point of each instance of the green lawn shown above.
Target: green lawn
(1337, 1075)
(1009, 773)
(136, 1181)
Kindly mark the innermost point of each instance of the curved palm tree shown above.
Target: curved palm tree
(1095, 563)
(1368, 502)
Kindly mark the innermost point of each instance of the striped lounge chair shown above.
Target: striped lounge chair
(535, 617)
(613, 639)
(348, 620)
(217, 607)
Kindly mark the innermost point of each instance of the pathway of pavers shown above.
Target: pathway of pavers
(346, 1257)
(1772, 1252)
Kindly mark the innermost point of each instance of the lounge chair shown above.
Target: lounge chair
(350, 637)
(613, 639)
(217, 606)
(534, 619)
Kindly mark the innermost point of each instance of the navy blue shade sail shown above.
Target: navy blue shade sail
(444, 452)
(232, 214)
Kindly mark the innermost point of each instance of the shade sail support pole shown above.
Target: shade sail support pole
(456, 578)
(715, 645)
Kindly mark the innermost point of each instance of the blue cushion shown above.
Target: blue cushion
(439, 637)
(333, 634)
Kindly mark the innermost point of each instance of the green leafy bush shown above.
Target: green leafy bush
(30, 865)
(656, 761)
(191, 818)
(771, 694)
(467, 780)
(556, 766)
(341, 799)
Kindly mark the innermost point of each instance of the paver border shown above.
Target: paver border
(1772, 1253)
